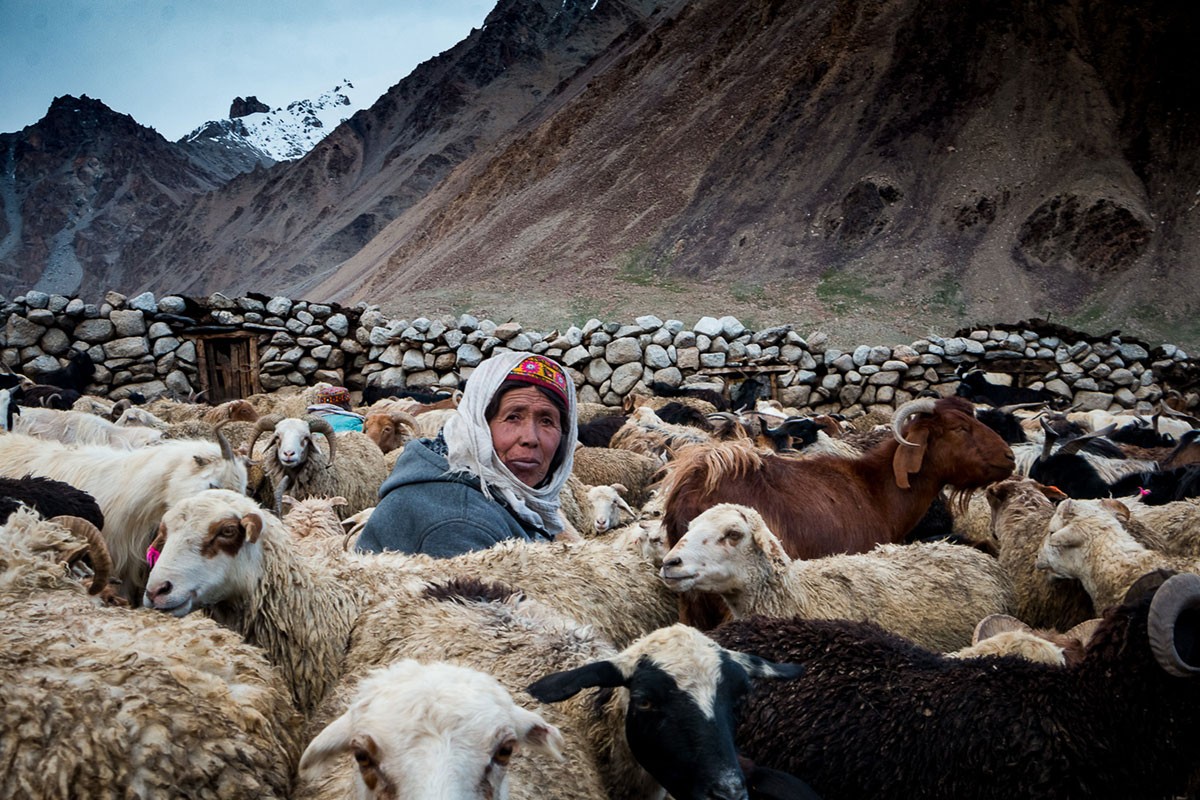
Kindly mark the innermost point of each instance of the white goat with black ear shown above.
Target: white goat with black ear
(421, 731)
(294, 463)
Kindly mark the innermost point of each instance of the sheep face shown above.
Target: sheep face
(714, 554)
(653, 541)
(608, 506)
(1074, 528)
(293, 440)
(431, 731)
(683, 692)
(209, 551)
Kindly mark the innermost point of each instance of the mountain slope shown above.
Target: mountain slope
(271, 231)
(900, 159)
(78, 186)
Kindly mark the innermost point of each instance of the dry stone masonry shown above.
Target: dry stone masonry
(149, 345)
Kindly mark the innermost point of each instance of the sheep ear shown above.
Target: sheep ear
(559, 686)
(907, 460)
(253, 525)
(328, 744)
(539, 735)
(1116, 508)
(757, 667)
(1066, 538)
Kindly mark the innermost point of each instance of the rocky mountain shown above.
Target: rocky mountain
(903, 166)
(77, 187)
(265, 135)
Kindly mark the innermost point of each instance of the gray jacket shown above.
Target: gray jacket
(422, 509)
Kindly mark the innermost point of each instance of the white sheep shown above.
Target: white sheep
(427, 731)
(352, 466)
(107, 702)
(1089, 542)
(133, 488)
(677, 678)
(221, 551)
(933, 594)
(609, 509)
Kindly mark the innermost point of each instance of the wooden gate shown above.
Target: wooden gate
(228, 366)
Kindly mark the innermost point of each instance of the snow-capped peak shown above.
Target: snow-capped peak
(286, 133)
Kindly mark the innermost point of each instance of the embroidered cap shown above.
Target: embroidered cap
(543, 372)
(334, 394)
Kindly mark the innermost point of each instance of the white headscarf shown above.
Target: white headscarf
(469, 441)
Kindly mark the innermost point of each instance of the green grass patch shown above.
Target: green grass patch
(641, 266)
(947, 295)
(842, 292)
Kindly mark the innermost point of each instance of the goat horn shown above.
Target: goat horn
(226, 448)
(322, 426)
(1019, 406)
(97, 549)
(1075, 444)
(1051, 436)
(265, 423)
(1178, 594)
(405, 419)
(119, 408)
(1170, 412)
(922, 405)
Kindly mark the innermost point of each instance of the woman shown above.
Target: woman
(493, 473)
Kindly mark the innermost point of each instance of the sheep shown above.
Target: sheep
(77, 427)
(671, 679)
(609, 509)
(644, 432)
(295, 463)
(1089, 543)
(1002, 635)
(599, 466)
(134, 488)
(575, 507)
(876, 716)
(108, 702)
(418, 730)
(933, 594)
(222, 551)
(823, 504)
(51, 498)
(1021, 514)
(314, 523)
(231, 411)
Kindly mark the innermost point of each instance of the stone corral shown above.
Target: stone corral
(149, 345)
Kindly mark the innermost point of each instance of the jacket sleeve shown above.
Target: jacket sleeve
(438, 519)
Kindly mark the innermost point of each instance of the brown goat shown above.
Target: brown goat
(824, 504)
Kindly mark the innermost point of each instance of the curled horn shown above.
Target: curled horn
(226, 448)
(922, 405)
(322, 426)
(119, 408)
(97, 549)
(405, 419)
(1178, 594)
(994, 624)
(265, 423)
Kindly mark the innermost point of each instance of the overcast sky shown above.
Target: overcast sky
(175, 65)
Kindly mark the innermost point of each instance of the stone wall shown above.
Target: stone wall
(148, 345)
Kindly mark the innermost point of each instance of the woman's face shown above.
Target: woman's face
(526, 431)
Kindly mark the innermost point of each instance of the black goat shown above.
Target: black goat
(374, 392)
(599, 432)
(876, 716)
(48, 497)
(42, 395)
(664, 390)
(76, 375)
(975, 386)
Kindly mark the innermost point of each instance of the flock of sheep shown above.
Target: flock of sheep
(959, 601)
